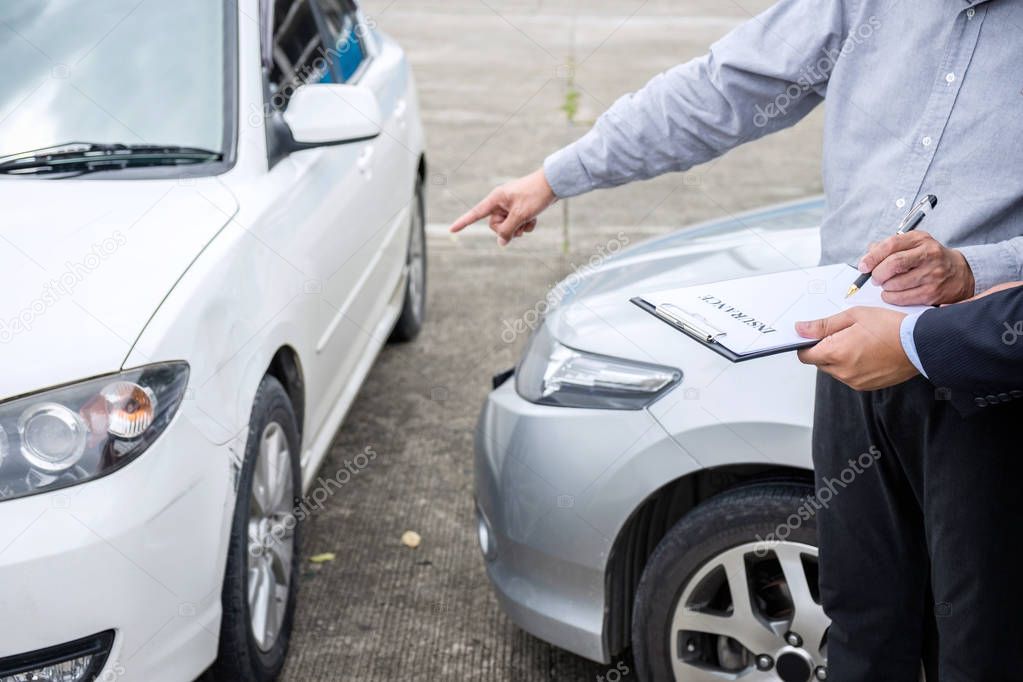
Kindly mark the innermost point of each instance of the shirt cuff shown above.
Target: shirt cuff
(991, 264)
(565, 172)
(909, 343)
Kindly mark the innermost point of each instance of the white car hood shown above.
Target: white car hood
(596, 314)
(84, 264)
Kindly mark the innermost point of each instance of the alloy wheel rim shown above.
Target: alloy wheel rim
(417, 261)
(271, 537)
(752, 612)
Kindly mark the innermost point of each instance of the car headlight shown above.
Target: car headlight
(553, 374)
(75, 433)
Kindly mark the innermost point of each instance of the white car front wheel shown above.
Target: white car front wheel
(260, 583)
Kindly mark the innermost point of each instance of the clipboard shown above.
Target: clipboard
(700, 330)
(754, 317)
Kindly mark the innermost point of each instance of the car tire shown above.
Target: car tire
(265, 508)
(413, 308)
(686, 624)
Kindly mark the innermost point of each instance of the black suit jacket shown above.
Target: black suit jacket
(973, 352)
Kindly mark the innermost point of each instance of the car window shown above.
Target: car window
(114, 72)
(297, 50)
(346, 52)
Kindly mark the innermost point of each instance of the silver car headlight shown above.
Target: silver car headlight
(553, 374)
(75, 433)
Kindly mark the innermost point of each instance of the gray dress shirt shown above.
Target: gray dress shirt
(923, 97)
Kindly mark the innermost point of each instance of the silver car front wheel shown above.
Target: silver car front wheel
(752, 611)
(731, 593)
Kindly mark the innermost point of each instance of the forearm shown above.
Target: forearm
(752, 82)
(974, 347)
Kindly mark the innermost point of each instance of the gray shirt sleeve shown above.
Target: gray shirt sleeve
(995, 263)
(765, 75)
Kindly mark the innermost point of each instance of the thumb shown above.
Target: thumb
(818, 329)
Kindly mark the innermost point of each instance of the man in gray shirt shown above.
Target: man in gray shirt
(922, 98)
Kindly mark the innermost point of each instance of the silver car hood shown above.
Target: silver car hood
(595, 314)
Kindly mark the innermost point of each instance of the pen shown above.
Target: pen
(908, 224)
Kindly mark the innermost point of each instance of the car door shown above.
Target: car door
(355, 54)
(328, 200)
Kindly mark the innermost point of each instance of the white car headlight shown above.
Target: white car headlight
(553, 374)
(74, 433)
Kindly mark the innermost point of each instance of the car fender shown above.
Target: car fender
(227, 317)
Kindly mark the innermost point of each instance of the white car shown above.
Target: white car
(212, 222)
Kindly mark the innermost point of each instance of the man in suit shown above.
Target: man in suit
(964, 362)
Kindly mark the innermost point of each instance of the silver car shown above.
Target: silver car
(635, 489)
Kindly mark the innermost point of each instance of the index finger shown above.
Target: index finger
(810, 356)
(900, 263)
(477, 213)
(818, 355)
(886, 247)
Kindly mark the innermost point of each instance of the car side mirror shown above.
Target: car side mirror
(323, 114)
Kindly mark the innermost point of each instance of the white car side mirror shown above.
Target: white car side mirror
(331, 113)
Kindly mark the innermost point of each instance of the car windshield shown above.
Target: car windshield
(113, 74)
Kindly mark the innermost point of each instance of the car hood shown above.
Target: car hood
(85, 263)
(595, 313)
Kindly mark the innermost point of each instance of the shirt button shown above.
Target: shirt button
(950, 78)
(900, 203)
(970, 12)
(926, 141)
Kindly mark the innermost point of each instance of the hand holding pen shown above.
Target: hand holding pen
(908, 224)
(914, 268)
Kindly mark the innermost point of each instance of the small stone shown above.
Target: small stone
(411, 539)
(322, 558)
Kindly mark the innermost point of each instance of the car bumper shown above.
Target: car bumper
(140, 552)
(553, 489)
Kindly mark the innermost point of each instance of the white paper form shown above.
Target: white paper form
(756, 314)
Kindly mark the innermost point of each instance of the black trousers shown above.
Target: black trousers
(922, 534)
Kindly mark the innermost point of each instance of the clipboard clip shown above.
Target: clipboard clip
(691, 323)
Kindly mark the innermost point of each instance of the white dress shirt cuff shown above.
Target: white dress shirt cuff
(909, 343)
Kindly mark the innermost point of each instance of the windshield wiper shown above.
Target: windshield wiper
(87, 157)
